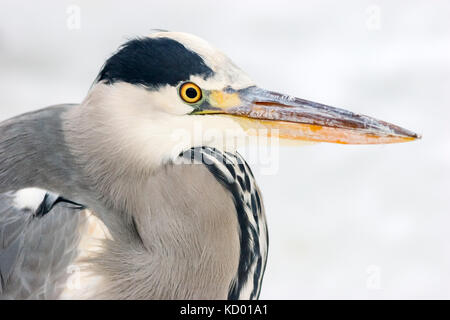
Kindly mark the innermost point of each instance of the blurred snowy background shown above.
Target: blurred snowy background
(345, 221)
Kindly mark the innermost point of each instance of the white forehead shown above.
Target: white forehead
(226, 72)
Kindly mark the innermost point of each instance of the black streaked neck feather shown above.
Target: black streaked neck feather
(251, 263)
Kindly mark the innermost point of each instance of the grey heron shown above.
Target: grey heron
(96, 190)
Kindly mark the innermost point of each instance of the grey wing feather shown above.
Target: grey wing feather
(36, 251)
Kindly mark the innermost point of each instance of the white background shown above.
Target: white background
(345, 221)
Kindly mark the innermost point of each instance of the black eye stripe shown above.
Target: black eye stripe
(191, 93)
(153, 62)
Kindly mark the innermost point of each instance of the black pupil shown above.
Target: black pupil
(191, 93)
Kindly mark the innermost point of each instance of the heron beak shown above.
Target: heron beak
(299, 119)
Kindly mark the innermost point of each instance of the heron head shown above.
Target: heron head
(173, 91)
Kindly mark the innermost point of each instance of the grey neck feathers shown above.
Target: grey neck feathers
(183, 248)
(174, 227)
(33, 153)
(166, 243)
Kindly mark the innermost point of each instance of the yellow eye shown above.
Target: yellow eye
(190, 92)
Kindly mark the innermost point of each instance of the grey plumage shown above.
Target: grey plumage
(33, 152)
(164, 219)
(36, 252)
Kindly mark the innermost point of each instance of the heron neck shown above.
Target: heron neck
(170, 242)
(33, 153)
